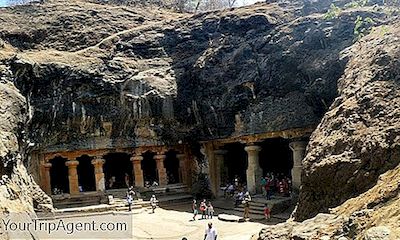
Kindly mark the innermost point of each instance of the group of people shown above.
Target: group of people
(206, 210)
(131, 195)
(280, 184)
(113, 183)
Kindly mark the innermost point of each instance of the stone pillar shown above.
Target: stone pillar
(162, 172)
(182, 168)
(73, 176)
(298, 148)
(99, 174)
(137, 170)
(47, 179)
(254, 171)
(218, 162)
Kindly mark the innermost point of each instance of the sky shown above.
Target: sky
(3, 3)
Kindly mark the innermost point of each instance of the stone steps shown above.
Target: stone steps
(277, 205)
(68, 201)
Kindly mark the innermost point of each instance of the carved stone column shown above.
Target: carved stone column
(137, 170)
(254, 171)
(298, 148)
(182, 168)
(47, 178)
(162, 172)
(99, 174)
(73, 176)
(219, 161)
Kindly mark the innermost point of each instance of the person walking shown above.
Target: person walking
(194, 209)
(153, 202)
(246, 204)
(211, 233)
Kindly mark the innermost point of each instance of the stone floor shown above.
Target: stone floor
(170, 224)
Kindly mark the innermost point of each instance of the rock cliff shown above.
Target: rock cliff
(354, 154)
(162, 81)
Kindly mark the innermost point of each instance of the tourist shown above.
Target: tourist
(210, 210)
(127, 180)
(239, 198)
(236, 181)
(155, 184)
(267, 212)
(268, 188)
(263, 183)
(211, 233)
(153, 202)
(129, 199)
(111, 182)
(194, 209)
(231, 190)
(246, 203)
(281, 188)
(203, 209)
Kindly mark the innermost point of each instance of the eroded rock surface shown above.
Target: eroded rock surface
(355, 151)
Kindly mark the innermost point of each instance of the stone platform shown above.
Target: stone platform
(230, 218)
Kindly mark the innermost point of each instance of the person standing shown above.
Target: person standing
(246, 204)
(211, 233)
(126, 178)
(210, 210)
(203, 209)
(267, 212)
(263, 183)
(129, 199)
(153, 202)
(194, 209)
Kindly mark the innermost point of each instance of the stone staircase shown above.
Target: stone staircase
(167, 195)
(82, 200)
(277, 206)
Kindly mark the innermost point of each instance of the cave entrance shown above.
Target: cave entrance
(276, 157)
(86, 176)
(149, 167)
(171, 164)
(59, 176)
(118, 170)
(235, 164)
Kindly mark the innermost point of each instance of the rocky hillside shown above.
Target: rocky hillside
(354, 154)
(164, 80)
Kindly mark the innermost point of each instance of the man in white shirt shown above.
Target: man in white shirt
(211, 233)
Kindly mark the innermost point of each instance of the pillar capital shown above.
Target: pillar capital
(136, 158)
(220, 152)
(252, 148)
(98, 161)
(71, 163)
(298, 145)
(47, 165)
(159, 156)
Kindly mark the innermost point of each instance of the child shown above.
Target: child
(267, 212)
(210, 210)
